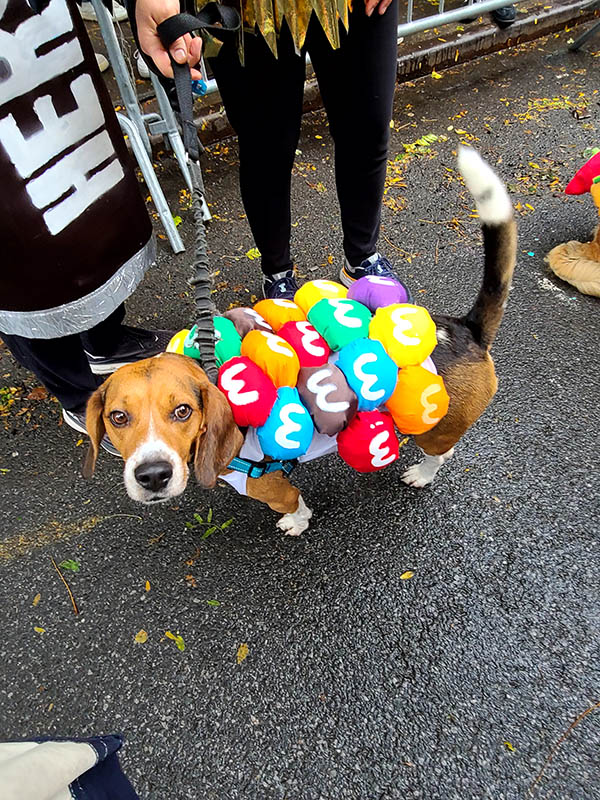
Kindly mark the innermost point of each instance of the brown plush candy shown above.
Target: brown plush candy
(326, 394)
(246, 320)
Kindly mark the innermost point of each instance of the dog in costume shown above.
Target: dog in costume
(335, 370)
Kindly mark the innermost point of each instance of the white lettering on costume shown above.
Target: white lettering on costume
(343, 313)
(278, 345)
(309, 337)
(429, 407)
(72, 183)
(27, 69)
(322, 392)
(382, 456)
(288, 426)
(401, 325)
(368, 380)
(236, 387)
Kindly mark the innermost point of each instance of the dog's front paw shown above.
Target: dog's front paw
(297, 522)
(418, 477)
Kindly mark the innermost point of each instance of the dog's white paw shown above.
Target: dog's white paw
(423, 473)
(297, 522)
(417, 477)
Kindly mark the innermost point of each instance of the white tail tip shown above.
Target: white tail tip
(491, 197)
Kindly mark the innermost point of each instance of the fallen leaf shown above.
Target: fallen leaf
(141, 637)
(436, 75)
(70, 564)
(213, 603)
(147, 586)
(177, 639)
(406, 575)
(509, 746)
(177, 220)
(242, 652)
(37, 599)
(39, 630)
(253, 253)
(39, 393)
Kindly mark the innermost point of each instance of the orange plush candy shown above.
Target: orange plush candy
(276, 357)
(277, 312)
(406, 331)
(419, 401)
(309, 295)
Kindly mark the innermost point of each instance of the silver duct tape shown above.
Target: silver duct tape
(81, 315)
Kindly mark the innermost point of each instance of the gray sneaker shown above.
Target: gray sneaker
(76, 420)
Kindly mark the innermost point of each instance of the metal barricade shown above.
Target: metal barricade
(416, 22)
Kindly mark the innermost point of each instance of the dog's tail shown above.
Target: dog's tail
(500, 245)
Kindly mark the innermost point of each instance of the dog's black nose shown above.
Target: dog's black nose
(153, 475)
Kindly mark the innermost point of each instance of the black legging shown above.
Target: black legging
(61, 365)
(263, 101)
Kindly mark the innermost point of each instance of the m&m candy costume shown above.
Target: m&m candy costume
(332, 369)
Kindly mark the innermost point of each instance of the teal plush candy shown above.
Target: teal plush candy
(289, 429)
(370, 372)
(228, 343)
(340, 321)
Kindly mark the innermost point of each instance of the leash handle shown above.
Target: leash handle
(223, 23)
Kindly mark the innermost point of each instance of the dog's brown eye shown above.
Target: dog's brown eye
(118, 418)
(182, 412)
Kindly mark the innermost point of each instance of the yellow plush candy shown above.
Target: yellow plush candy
(406, 331)
(313, 291)
(276, 357)
(277, 312)
(419, 400)
(176, 343)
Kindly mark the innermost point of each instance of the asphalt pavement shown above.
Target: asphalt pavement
(315, 667)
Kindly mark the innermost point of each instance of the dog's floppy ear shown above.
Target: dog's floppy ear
(220, 440)
(94, 423)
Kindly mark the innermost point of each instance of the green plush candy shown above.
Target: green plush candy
(340, 321)
(228, 343)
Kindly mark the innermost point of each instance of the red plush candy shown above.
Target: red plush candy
(312, 349)
(369, 443)
(581, 183)
(249, 392)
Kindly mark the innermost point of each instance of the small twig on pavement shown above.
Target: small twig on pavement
(558, 744)
(62, 577)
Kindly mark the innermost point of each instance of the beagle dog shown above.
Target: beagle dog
(163, 414)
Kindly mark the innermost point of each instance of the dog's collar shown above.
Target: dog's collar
(256, 470)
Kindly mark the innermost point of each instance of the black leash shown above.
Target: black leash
(223, 23)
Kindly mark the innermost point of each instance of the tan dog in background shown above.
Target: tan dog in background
(163, 413)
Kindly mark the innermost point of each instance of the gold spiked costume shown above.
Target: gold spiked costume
(266, 17)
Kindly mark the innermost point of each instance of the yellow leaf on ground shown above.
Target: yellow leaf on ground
(436, 75)
(37, 599)
(177, 639)
(141, 637)
(242, 652)
(39, 630)
(406, 575)
(147, 586)
(509, 746)
(253, 253)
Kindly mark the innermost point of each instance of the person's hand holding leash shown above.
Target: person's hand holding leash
(187, 49)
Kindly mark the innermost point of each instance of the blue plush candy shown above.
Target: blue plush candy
(370, 372)
(289, 429)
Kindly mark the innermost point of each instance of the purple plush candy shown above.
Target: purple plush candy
(375, 291)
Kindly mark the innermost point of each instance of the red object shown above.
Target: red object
(312, 349)
(369, 443)
(249, 392)
(582, 181)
